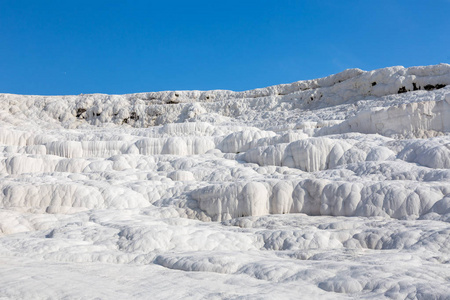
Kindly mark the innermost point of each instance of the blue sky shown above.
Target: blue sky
(116, 47)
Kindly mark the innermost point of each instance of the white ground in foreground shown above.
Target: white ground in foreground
(334, 188)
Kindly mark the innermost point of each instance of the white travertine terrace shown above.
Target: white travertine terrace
(331, 188)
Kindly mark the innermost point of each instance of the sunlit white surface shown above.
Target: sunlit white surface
(332, 188)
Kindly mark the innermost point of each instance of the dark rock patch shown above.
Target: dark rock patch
(134, 116)
(80, 111)
(430, 87)
(402, 90)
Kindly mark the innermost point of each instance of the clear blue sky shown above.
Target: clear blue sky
(116, 47)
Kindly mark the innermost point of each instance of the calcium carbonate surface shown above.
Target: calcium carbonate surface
(333, 188)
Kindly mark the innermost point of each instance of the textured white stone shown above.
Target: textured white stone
(331, 188)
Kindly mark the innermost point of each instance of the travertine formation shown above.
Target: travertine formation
(325, 188)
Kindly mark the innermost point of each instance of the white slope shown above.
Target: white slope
(331, 188)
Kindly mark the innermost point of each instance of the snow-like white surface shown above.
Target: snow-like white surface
(333, 188)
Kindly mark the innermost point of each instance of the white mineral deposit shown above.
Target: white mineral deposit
(333, 188)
